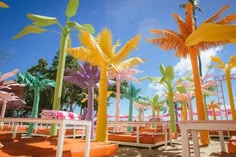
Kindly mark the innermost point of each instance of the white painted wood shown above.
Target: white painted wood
(138, 124)
(195, 126)
(61, 123)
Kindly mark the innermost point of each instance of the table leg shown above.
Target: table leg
(87, 142)
(60, 141)
(185, 143)
(222, 141)
(195, 143)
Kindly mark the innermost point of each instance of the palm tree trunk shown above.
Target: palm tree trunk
(214, 112)
(204, 135)
(34, 110)
(172, 110)
(90, 114)
(190, 109)
(60, 74)
(142, 115)
(130, 129)
(184, 108)
(158, 113)
(118, 97)
(101, 130)
(230, 94)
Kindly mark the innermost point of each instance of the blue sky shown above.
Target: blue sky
(125, 18)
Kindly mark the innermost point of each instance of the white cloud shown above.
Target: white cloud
(158, 88)
(184, 65)
(233, 71)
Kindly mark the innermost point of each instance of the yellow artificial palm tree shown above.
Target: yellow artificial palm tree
(101, 51)
(3, 5)
(227, 69)
(212, 106)
(212, 32)
(171, 40)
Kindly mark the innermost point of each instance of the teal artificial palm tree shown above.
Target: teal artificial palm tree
(36, 83)
(131, 93)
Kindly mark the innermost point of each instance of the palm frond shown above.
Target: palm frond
(217, 60)
(182, 52)
(128, 63)
(84, 55)
(127, 48)
(3, 5)
(209, 32)
(189, 22)
(232, 62)
(152, 79)
(104, 40)
(8, 75)
(47, 82)
(89, 42)
(183, 28)
(207, 45)
(216, 16)
(117, 43)
(169, 40)
(227, 20)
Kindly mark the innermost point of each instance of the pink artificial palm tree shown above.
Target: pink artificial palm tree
(5, 90)
(126, 74)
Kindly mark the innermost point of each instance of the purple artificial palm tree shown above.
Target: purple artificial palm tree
(86, 77)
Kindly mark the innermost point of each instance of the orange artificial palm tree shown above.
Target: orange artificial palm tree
(3, 5)
(227, 69)
(213, 106)
(101, 51)
(171, 40)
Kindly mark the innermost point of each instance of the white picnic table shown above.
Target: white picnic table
(62, 125)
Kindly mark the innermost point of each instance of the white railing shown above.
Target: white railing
(195, 126)
(137, 125)
(62, 125)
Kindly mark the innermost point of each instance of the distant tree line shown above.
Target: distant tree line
(71, 94)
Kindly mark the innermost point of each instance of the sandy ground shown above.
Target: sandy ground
(174, 150)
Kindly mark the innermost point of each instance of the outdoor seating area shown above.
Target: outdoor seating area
(138, 137)
(52, 146)
(93, 79)
(47, 147)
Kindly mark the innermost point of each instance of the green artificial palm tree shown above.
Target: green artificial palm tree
(39, 22)
(156, 104)
(166, 81)
(36, 83)
(101, 51)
